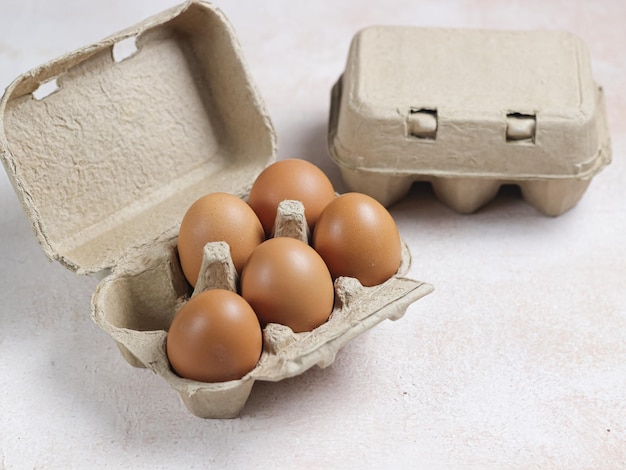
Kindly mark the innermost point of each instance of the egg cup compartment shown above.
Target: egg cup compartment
(551, 196)
(469, 111)
(137, 302)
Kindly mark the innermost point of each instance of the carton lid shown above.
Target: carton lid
(510, 105)
(129, 132)
(475, 71)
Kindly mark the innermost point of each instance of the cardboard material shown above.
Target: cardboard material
(108, 146)
(138, 301)
(108, 161)
(468, 111)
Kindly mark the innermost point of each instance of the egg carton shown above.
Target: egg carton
(469, 111)
(137, 317)
(107, 147)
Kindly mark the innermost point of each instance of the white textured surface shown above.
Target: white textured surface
(517, 360)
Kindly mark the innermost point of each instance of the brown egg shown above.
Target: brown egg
(285, 281)
(214, 337)
(357, 237)
(293, 179)
(213, 218)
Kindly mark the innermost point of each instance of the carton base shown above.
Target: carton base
(552, 197)
(223, 404)
(465, 195)
(129, 356)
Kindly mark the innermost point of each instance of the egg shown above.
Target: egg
(286, 281)
(293, 179)
(217, 217)
(357, 237)
(214, 337)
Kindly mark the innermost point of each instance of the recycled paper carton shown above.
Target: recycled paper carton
(108, 146)
(468, 111)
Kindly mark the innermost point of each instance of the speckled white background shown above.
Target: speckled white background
(518, 360)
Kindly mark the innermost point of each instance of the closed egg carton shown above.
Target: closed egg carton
(106, 148)
(138, 301)
(469, 111)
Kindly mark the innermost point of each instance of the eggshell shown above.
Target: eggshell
(217, 217)
(214, 337)
(286, 282)
(291, 179)
(357, 237)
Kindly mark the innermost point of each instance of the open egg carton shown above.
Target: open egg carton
(109, 145)
(469, 111)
